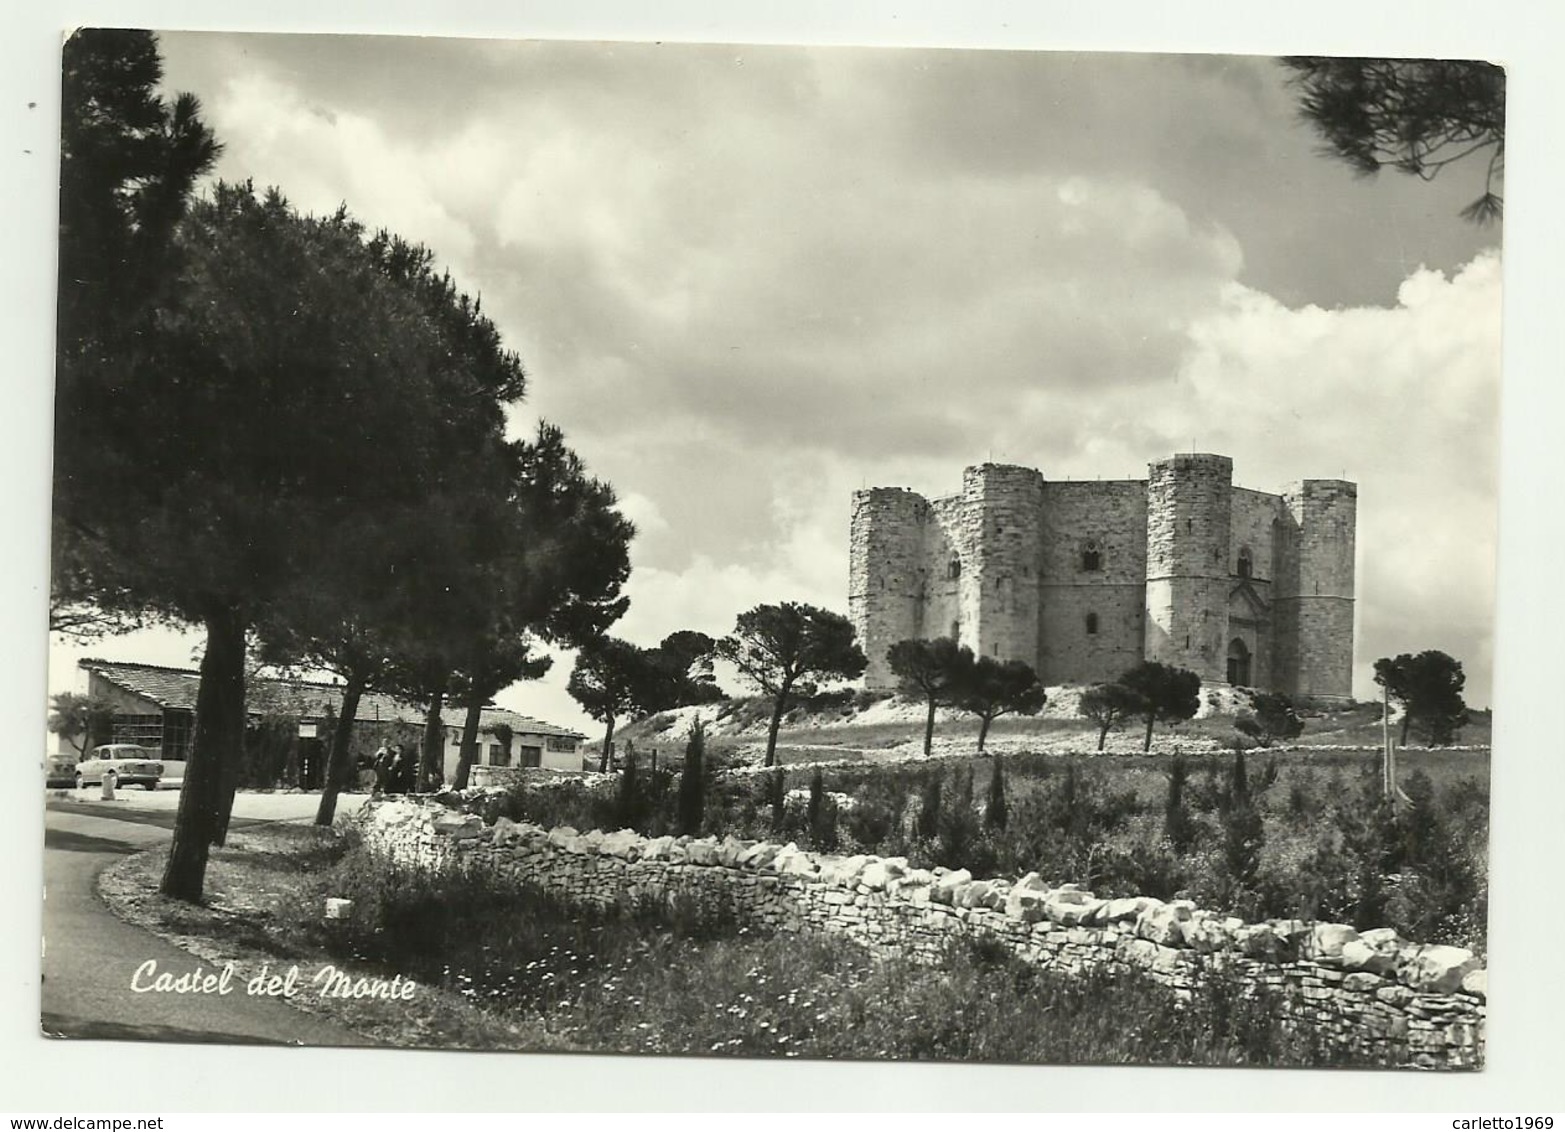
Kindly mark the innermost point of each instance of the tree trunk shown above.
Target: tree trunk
(1103, 733)
(434, 742)
(929, 727)
(340, 763)
(608, 745)
(1146, 744)
(469, 755)
(983, 730)
(1407, 721)
(776, 724)
(218, 740)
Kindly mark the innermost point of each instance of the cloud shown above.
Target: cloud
(1402, 399)
(747, 281)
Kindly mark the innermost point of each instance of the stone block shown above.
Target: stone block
(1325, 942)
(458, 826)
(758, 856)
(701, 851)
(1361, 955)
(1121, 909)
(843, 871)
(1436, 968)
(1164, 923)
(947, 883)
(1476, 983)
(879, 874)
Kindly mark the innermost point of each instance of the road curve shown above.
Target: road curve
(90, 955)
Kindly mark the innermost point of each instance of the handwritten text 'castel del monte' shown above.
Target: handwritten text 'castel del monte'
(328, 982)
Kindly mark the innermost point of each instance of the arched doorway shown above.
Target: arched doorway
(1238, 663)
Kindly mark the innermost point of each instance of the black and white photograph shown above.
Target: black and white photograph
(773, 552)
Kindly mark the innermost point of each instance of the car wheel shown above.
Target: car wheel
(149, 785)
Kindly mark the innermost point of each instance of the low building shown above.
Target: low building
(292, 720)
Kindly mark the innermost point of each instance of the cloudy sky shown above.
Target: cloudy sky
(748, 280)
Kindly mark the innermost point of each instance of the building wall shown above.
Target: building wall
(553, 752)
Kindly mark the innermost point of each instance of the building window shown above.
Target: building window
(956, 630)
(954, 570)
(1091, 556)
(1246, 562)
(1092, 624)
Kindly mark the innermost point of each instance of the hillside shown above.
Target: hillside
(852, 724)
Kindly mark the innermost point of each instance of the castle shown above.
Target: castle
(1085, 579)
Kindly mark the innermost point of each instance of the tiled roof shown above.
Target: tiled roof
(176, 688)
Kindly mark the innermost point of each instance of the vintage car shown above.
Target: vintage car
(125, 764)
(59, 770)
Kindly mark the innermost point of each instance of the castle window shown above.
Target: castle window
(1091, 556)
(1092, 624)
(1246, 562)
(956, 630)
(954, 570)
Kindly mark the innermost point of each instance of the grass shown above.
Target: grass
(265, 895)
(506, 968)
(829, 722)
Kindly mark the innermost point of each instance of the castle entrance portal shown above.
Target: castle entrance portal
(1238, 663)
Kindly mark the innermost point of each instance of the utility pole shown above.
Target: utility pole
(1388, 778)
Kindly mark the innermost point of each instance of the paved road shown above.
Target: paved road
(90, 956)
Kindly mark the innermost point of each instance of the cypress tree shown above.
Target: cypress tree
(1176, 818)
(995, 814)
(817, 802)
(929, 808)
(629, 790)
(692, 783)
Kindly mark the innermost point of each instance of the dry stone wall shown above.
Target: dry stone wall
(1411, 1004)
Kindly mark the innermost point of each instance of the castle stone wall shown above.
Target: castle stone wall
(1112, 515)
(1317, 603)
(1189, 533)
(1005, 519)
(1001, 567)
(944, 543)
(885, 559)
